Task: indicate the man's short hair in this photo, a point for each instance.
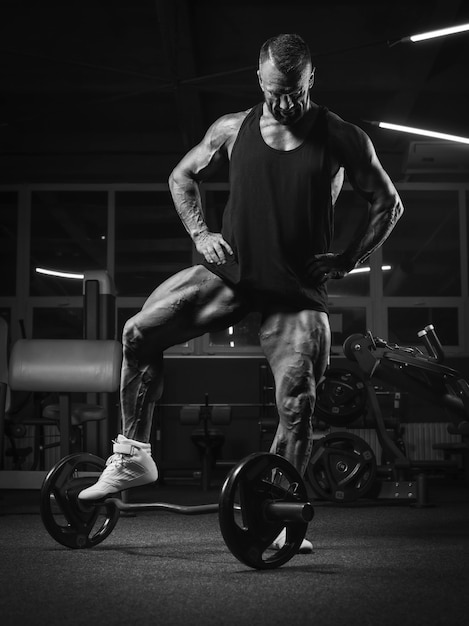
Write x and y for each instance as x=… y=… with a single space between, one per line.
x=289 y=53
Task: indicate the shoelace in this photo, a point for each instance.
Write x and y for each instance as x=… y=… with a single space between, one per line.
x=116 y=459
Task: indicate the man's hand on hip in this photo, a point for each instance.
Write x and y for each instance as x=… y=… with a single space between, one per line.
x=328 y=265
x=213 y=247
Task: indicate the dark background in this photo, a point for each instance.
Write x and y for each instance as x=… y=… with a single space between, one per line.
x=98 y=90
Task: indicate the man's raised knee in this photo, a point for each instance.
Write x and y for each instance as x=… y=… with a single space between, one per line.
x=131 y=334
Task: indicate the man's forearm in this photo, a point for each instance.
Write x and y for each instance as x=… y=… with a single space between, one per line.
x=188 y=204
x=381 y=223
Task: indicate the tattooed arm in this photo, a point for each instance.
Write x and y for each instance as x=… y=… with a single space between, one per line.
x=198 y=164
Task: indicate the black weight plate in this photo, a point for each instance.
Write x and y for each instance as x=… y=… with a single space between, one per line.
x=342 y=467
x=341 y=398
x=69 y=522
x=255 y=482
x=349 y=345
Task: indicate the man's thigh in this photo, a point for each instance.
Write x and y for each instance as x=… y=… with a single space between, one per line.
x=291 y=337
x=190 y=303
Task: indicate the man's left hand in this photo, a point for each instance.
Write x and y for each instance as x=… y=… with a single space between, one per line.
x=328 y=265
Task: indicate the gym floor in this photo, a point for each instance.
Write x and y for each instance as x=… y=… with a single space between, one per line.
x=372 y=564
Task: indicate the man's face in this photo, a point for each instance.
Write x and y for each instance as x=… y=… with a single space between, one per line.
x=287 y=98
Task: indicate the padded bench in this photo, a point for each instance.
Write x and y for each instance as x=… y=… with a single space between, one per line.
x=66 y=366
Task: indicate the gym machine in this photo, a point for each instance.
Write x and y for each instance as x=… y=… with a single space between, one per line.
x=343 y=466
x=96 y=414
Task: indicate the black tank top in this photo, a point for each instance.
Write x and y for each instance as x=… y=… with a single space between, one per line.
x=278 y=215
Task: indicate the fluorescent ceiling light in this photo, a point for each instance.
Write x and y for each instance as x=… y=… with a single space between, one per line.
x=421 y=131
x=41 y=270
x=442 y=32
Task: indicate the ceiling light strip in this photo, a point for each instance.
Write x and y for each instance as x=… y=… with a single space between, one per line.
x=441 y=32
x=421 y=131
x=59 y=274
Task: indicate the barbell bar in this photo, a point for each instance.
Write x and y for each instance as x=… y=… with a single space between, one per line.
x=274 y=511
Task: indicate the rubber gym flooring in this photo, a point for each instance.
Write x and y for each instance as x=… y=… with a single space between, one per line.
x=372 y=564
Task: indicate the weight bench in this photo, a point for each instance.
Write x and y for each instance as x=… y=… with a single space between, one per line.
x=66 y=366
x=207 y=440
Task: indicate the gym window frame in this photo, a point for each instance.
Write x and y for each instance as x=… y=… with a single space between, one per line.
x=21 y=305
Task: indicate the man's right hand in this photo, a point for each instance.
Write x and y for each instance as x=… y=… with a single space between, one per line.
x=213 y=247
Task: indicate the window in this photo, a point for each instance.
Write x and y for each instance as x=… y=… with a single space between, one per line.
x=423 y=251
x=5 y=313
x=57 y=323
x=466 y=215
x=405 y=322
x=8 y=242
x=69 y=234
x=151 y=242
x=243 y=336
x=419 y=276
x=346 y=321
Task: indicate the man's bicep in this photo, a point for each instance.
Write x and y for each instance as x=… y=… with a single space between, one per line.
x=364 y=170
x=206 y=157
x=374 y=184
x=198 y=163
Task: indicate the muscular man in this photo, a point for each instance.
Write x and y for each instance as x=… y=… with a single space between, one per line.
x=287 y=160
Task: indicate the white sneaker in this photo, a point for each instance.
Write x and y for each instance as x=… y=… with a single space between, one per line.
x=131 y=465
x=305 y=548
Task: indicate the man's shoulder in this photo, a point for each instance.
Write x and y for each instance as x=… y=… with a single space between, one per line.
x=346 y=138
x=340 y=129
x=223 y=132
x=228 y=125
